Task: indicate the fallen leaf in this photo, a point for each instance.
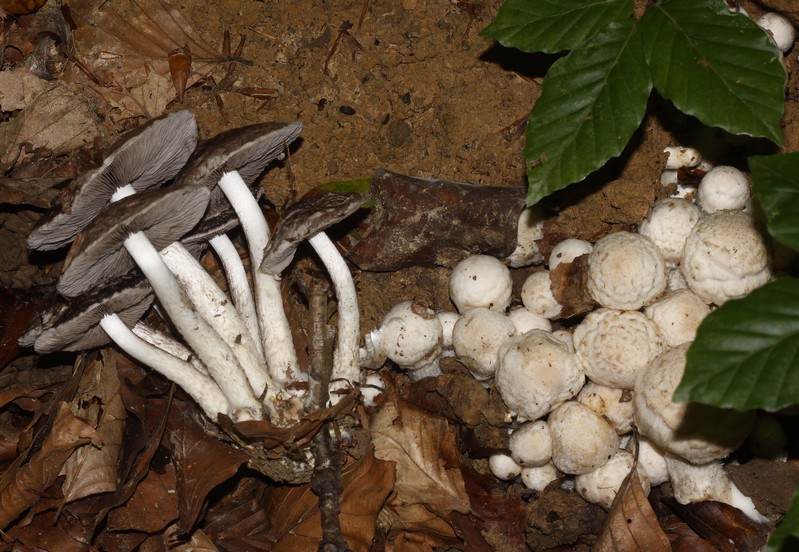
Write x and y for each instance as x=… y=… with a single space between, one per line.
x=153 y=506
x=199 y=541
x=18 y=88
x=631 y=525
x=94 y=470
x=294 y=512
x=20 y=308
x=31 y=478
x=201 y=462
x=424 y=449
x=727 y=528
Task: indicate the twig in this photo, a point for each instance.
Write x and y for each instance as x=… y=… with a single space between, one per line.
x=326 y=477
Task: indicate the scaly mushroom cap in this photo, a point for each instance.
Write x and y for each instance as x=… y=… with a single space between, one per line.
x=669 y=224
x=148 y=157
x=163 y=215
x=696 y=432
x=725 y=257
x=678 y=315
x=76 y=326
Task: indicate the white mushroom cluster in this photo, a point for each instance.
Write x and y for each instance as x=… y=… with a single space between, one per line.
x=576 y=391
x=239 y=358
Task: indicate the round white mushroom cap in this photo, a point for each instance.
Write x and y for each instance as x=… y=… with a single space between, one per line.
x=652 y=462
x=568 y=250
x=780 y=28
x=613 y=405
x=725 y=257
x=680 y=157
x=677 y=316
x=625 y=271
x=537 y=373
x=409 y=335
x=565 y=337
x=477 y=337
x=723 y=187
x=531 y=445
x=601 y=485
x=537 y=295
x=503 y=467
x=581 y=440
x=668 y=225
x=614 y=346
x=447 y=320
x=524 y=321
x=698 y=483
x=696 y=432
x=480 y=281
x=528 y=232
x=538 y=478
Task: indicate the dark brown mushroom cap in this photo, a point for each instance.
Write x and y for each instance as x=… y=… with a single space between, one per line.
x=306 y=218
x=147 y=157
x=165 y=215
x=75 y=326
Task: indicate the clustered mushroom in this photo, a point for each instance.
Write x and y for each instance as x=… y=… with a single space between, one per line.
x=239 y=358
x=577 y=391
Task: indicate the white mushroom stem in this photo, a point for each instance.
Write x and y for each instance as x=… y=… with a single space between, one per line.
x=200 y=387
x=239 y=286
x=209 y=346
x=346 y=368
x=169 y=345
x=275 y=330
x=122 y=193
x=213 y=305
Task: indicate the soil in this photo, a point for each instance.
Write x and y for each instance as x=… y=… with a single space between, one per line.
x=409 y=86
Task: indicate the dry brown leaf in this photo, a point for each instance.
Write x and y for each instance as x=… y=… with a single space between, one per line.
x=18 y=88
x=423 y=447
x=727 y=528
x=56 y=119
x=631 y=525
x=414 y=527
x=65 y=434
x=152 y=507
x=201 y=461
x=126 y=45
x=295 y=515
x=94 y=470
x=34 y=192
x=199 y=541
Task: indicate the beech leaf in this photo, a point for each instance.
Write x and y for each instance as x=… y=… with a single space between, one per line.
x=423 y=447
x=775 y=181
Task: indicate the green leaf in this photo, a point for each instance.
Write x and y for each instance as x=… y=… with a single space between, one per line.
x=716 y=65
x=591 y=103
x=552 y=26
x=788 y=531
x=746 y=353
x=775 y=180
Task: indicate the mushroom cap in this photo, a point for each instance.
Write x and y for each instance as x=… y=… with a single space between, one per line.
x=581 y=440
x=677 y=316
x=477 y=337
x=76 y=325
x=680 y=157
x=503 y=467
x=613 y=405
x=537 y=373
x=725 y=257
x=306 y=218
x=723 y=187
x=537 y=479
x=780 y=28
x=696 y=432
x=480 y=281
x=568 y=250
x=668 y=226
x=410 y=335
x=537 y=295
x=613 y=346
x=524 y=321
x=601 y=485
x=147 y=157
x=625 y=271
x=531 y=445
x=164 y=215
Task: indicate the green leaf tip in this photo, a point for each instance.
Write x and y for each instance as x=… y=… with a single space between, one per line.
x=775 y=181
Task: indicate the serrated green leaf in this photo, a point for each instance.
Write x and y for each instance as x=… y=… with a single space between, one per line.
x=553 y=26
x=746 y=353
x=775 y=180
x=591 y=103
x=788 y=530
x=715 y=65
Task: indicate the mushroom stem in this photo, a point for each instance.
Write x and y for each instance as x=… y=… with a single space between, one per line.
x=169 y=345
x=213 y=305
x=210 y=347
x=275 y=331
x=239 y=286
x=123 y=192
x=346 y=367
x=199 y=386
